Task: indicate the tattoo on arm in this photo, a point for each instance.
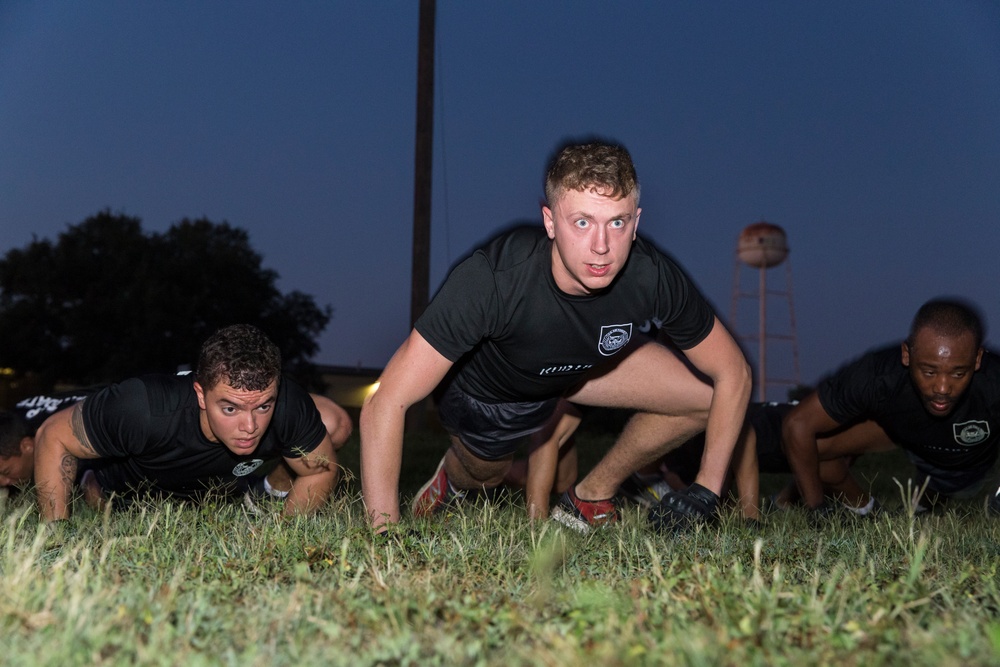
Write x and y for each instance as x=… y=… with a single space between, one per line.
x=76 y=421
x=68 y=467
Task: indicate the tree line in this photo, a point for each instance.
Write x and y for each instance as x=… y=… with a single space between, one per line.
x=106 y=300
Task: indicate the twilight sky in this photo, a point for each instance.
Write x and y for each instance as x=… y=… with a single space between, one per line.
x=870 y=131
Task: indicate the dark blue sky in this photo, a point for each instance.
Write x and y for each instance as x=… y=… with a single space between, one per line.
x=869 y=130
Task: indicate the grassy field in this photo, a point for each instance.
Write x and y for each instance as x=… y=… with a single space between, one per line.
x=209 y=585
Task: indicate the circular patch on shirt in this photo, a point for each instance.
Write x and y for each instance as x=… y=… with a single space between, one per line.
x=614 y=337
x=971 y=432
x=247 y=467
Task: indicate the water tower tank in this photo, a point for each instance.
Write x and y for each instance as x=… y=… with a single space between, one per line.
x=762 y=245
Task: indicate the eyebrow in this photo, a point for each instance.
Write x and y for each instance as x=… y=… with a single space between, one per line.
x=270 y=399
x=591 y=216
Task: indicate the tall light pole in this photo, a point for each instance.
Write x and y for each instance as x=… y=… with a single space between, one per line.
x=422 y=163
x=421 y=270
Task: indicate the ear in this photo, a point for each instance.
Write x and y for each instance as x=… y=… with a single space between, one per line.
x=635 y=227
x=979 y=359
x=27 y=445
x=906 y=356
x=550 y=225
x=200 y=392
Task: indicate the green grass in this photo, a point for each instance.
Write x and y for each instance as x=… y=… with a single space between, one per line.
x=175 y=584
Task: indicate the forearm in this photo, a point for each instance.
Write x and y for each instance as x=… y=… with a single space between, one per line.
x=725 y=422
x=310 y=492
x=803 y=458
x=55 y=471
x=747 y=474
x=542 y=464
x=381 y=458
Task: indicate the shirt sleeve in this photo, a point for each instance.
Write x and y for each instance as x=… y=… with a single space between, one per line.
x=299 y=425
x=464 y=311
x=850 y=393
x=686 y=317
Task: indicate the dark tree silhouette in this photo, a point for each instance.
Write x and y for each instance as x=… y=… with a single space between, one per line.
x=107 y=301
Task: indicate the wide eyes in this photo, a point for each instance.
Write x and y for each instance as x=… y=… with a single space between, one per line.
x=230 y=410
x=583 y=223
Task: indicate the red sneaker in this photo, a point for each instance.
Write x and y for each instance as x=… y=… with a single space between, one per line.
x=581 y=515
x=435 y=495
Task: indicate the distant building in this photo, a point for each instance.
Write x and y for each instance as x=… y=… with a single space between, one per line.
x=348 y=386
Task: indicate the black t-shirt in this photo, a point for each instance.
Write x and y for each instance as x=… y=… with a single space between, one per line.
x=877 y=386
x=517 y=337
x=148 y=432
x=38 y=408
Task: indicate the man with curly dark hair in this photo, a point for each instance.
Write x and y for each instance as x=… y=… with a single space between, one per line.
x=173 y=437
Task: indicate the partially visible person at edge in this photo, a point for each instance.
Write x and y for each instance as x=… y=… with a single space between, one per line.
x=937 y=396
x=543 y=313
x=18 y=428
x=177 y=437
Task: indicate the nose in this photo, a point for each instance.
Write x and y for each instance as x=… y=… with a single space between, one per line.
x=249 y=423
x=942 y=387
x=599 y=241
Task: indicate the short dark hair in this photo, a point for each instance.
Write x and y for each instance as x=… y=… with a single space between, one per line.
x=604 y=166
x=948 y=317
x=242 y=356
x=13 y=429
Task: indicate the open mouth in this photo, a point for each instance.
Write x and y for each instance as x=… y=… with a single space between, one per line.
x=939 y=405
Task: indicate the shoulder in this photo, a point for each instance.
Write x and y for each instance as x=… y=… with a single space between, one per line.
x=647 y=263
x=293 y=402
x=990 y=365
x=864 y=383
x=142 y=395
x=986 y=380
x=291 y=392
x=514 y=247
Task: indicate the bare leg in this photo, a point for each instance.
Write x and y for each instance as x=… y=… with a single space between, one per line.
x=93 y=494
x=673 y=406
x=467 y=471
x=643 y=441
x=280 y=478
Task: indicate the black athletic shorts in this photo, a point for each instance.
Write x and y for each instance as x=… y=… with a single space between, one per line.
x=491 y=431
x=766 y=421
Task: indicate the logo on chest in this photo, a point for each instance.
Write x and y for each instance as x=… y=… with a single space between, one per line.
x=971 y=432
x=246 y=467
x=613 y=338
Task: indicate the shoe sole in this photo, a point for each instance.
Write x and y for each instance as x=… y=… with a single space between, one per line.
x=569 y=520
x=423 y=490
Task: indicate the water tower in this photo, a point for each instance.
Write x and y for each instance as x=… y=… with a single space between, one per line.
x=763 y=246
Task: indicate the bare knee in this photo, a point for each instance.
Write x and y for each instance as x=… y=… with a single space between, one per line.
x=468 y=471
x=834 y=472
